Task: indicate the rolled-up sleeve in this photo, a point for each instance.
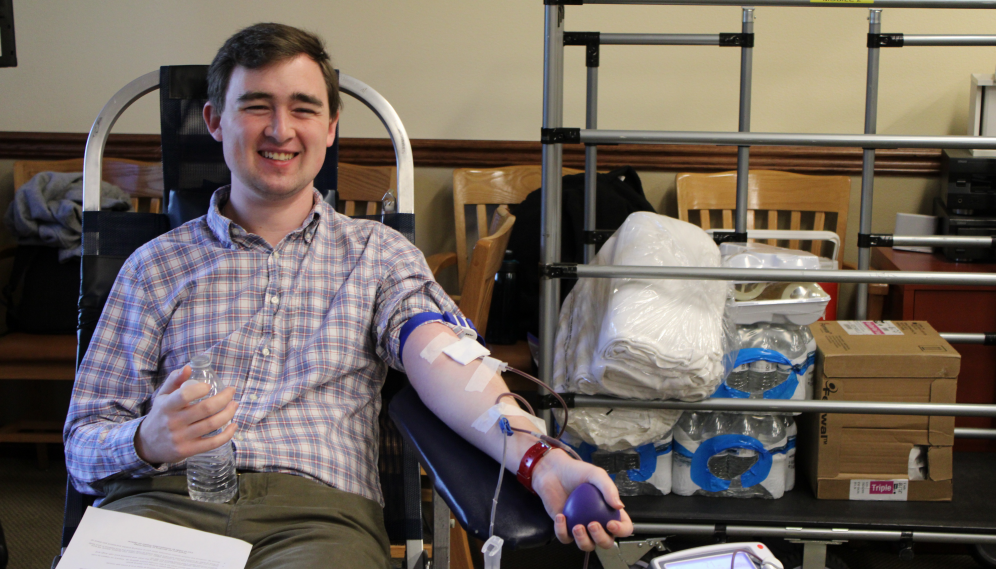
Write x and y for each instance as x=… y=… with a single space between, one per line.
x=114 y=386
x=408 y=288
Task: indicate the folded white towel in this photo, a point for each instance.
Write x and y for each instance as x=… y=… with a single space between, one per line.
x=645 y=338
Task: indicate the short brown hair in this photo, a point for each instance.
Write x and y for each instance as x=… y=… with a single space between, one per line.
x=260 y=45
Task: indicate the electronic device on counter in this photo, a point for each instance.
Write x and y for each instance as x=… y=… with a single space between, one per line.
x=975 y=225
x=743 y=555
x=968 y=182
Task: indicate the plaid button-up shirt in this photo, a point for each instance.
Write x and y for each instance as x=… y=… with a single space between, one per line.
x=304 y=331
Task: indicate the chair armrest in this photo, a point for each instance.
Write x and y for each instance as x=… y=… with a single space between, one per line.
x=440 y=261
x=465 y=477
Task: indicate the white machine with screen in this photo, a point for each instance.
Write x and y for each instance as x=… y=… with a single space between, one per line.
x=744 y=555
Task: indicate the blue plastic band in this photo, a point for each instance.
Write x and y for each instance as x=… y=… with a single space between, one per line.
x=680 y=449
x=784 y=390
x=426 y=317
x=648 y=463
x=751 y=355
x=664 y=449
x=790 y=444
x=711 y=447
x=810 y=360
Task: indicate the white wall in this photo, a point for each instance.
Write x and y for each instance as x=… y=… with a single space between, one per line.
x=473 y=70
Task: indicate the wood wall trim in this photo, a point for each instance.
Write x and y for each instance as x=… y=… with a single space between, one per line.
x=492 y=153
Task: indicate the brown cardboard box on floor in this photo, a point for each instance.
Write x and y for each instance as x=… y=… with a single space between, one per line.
x=853 y=456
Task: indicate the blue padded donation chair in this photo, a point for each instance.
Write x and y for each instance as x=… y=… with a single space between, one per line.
x=193 y=166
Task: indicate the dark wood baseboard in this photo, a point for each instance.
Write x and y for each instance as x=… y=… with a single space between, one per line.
x=493 y=153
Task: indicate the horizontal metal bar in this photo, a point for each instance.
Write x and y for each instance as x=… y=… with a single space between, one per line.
x=778 y=275
x=966 y=40
x=968 y=338
x=970 y=433
x=819 y=534
x=966 y=4
x=793 y=406
x=659 y=39
x=943 y=241
x=598 y=136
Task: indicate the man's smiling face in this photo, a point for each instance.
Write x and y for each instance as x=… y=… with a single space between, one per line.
x=275 y=127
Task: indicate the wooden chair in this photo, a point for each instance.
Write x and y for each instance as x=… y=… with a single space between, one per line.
x=362 y=189
x=482 y=188
x=782 y=200
x=822 y=200
x=53 y=357
x=475 y=302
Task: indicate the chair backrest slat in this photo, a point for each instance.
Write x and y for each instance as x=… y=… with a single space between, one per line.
x=706 y=219
x=795 y=223
x=772 y=224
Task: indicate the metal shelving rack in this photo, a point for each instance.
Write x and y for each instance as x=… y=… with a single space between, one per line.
x=554 y=135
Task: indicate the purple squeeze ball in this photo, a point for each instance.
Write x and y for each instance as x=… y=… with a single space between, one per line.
x=586 y=505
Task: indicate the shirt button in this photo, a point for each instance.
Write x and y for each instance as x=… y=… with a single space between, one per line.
x=274 y=299
x=266 y=351
x=238 y=437
x=276 y=255
x=253 y=397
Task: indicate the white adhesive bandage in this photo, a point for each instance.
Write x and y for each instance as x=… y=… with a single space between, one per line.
x=487 y=420
x=466 y=351
x=436 y=346
x=483 y=374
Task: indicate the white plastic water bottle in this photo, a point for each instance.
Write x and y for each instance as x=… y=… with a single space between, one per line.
x=792 y=431
x=210 y=475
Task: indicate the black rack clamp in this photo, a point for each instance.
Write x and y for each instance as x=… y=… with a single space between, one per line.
x=591 y=40
x=563 y=2
x=719 y=534
x=906 y=546
x=597 y=236
x=558 y=271
x=990 y=339
x=867 y=240
x=736 y=40
x=885 y=40
x=550 y=402
x=560 y=135
x=721 y=237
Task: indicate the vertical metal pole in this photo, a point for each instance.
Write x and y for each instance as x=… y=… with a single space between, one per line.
x=591 y=161
x=743 y=152
x=868 y=162
x=553 y=160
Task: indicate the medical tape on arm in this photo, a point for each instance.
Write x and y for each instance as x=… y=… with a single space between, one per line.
x=466 y=351
x=484 y=372
x=436 y=346
x=487 y=420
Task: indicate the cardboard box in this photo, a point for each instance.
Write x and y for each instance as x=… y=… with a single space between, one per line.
x=853 y=456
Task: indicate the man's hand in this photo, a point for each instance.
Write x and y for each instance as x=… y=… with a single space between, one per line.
x=555 y=476
x=173 y=429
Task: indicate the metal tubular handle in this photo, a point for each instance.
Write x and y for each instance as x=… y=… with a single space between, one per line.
x=93 y=156
x=659 y=39
x=402 y=146
x=774 y=275
x=796 y=406
x=784 y=139
x=811 y=533
x=99 y=132
x=940 y=40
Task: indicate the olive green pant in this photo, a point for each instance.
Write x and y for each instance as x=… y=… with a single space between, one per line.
x=290 y=521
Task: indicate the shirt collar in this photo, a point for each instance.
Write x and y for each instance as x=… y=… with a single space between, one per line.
x=230 y=233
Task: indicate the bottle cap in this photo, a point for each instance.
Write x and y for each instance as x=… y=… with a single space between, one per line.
x=200 y=361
